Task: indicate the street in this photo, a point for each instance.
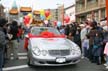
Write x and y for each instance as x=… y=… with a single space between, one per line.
x=84 y=65
x=21 y=65
x=55 y=32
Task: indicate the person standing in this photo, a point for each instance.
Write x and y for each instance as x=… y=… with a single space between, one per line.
x=91 y=34
x=2 y=41
x=82 y=36
x=84 y=31
x=14 y=42
x=97 y=48
x=86 y=46
x=66 y=30
x=106 y=54
x=77 y=38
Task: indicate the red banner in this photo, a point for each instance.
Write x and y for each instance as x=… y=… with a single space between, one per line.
x=107 y=10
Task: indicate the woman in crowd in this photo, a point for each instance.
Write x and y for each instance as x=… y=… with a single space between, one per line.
x=14 y=40
x=97 y=48
x=77 y=39
x=2 y=41
x=86 y=46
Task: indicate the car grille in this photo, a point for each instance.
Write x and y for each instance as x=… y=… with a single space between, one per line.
x=59 y=52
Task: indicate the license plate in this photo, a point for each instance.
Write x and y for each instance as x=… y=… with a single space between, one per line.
x=60 y=60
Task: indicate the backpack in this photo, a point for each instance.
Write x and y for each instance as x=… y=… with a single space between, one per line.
x=2 y=39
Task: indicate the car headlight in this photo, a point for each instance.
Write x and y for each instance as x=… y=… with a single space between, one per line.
x=44 y=52
x=75 y=50
x=36 y=51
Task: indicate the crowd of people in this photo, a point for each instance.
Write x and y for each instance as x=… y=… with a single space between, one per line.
x=91 y=36
x=9 y=39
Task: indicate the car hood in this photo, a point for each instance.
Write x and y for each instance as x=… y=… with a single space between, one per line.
x=50 y=43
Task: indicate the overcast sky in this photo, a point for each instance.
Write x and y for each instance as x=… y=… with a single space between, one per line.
x=38 y=4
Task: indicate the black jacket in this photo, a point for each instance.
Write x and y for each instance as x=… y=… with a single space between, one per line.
x=14 y=31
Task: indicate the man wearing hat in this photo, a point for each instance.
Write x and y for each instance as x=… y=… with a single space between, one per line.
x=2 y=41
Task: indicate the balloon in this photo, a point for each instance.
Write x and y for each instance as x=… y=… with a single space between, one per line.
x=26 y=20
x=42 y=12
x=48 y=17
x=55 y=23
x=30 y=15
x=42 y=17
x=67 y=19
x=46 y=21
x=59 y=23
x=47 y=13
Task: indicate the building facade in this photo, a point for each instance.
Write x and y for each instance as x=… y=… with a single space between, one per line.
x=54 y=15
x=2 y=14
x=61 y=13
x=70 y=11
x=92 y=9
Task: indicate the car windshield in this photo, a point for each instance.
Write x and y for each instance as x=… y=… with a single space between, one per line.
x=37 y=31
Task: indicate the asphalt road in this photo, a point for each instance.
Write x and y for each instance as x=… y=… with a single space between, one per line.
x=21 y=65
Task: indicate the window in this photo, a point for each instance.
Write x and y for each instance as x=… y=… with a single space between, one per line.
x=92 y=1
x=70 y=14
x=103 y=13
x=96 y=16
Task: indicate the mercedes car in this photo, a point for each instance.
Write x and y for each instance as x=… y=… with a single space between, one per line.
x=47 y=47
